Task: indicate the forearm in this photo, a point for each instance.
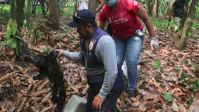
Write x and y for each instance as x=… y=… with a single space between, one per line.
x=71 y=55
x=101 y=3
x=101 y=24
x=149 y=27
x=108 y=54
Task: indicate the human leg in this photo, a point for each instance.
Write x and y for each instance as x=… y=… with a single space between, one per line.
x=120 y=50
x=133 y=49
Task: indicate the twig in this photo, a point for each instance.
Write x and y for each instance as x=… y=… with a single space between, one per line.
x=69 y=83
x=2 y=7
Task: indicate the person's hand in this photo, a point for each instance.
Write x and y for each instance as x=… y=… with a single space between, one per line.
x=97 y=102
x=60 y=52
x=154 y=43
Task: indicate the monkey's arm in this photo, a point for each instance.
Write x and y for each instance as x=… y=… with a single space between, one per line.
x=72 y=55
x=41 y=75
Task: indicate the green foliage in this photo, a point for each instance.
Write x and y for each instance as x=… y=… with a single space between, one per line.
x=68 y=28
x=167 y=97
x=196 y=67
x=190 y=100
x=46 y=50
x=157 y=65
x=125 y=78
x=11 y=31
x=183 y=76
x=178 y=67
x=193 y=85
x=186 y=62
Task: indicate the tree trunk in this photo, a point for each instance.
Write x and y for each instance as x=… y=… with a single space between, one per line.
x=176 y=37
x=20 y=16
x=92 y=5
x=157 y=7
x=54 y=14
x=28 y=15
x=148 y=7
x=187 y=24
x=23 y=49
x=12 y=5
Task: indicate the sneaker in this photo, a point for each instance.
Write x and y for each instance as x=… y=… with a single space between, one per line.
x=131 y=93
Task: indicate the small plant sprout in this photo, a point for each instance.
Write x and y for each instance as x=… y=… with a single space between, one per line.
x=157 y=65
x=177 y=68
x=190 y=100
x=167 y=97
x=46 y=50
x=186 y=62
x=11 y=32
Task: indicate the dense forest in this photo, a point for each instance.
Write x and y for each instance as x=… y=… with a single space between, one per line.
x=168 y=78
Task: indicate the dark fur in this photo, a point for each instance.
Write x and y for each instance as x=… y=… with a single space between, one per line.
x=48 y=66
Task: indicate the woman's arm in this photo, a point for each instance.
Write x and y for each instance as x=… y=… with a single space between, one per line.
x=101 y=24
x=101 y=2
x=141 y=13
x=171 y=12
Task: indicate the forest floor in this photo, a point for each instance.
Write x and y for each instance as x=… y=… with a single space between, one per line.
x=177 y=74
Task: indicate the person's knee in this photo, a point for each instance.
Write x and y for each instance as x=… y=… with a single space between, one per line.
x=131 y=65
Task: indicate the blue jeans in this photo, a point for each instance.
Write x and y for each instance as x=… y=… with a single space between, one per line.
x=132 y=47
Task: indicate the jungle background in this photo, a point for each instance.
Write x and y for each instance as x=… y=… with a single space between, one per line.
x=167 y=79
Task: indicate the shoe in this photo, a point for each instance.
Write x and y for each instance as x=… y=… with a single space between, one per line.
x=131 y=93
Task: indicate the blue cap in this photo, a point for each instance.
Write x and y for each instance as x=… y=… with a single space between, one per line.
x=81 y=17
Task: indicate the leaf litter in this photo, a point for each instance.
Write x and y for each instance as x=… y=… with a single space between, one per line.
x=19 y=92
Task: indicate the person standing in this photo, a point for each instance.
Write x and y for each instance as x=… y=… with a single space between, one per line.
x=98 y=56
x=83 y=4
x=178 y=9
x=128 y=34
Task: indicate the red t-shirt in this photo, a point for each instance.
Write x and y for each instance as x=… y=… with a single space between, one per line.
x=123 y=20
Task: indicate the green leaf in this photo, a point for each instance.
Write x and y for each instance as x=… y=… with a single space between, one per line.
x=198 y=82
x=16 y=50
x=187 y=85
x=5 y=43
x=9 y=40
x=190 y=100
x=62 y=23
x=14 y=28
x=183 y=76
x=157 y=65
x=178 y=67
x=14 y=44
x=18 y=37
x=8 y=33
x=190 y=79
x=196 y=67
x=46 y=50
x=167 y=97
x=186 y=62
x=190 y=34
x=139 y=71
x=9 y=24
x=63 y=32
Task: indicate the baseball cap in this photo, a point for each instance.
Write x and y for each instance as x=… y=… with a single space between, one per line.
x=82 y=16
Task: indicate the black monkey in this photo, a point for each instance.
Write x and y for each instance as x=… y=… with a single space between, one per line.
x=48 y=66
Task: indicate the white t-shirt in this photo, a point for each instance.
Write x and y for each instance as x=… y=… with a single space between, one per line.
x=83 y=4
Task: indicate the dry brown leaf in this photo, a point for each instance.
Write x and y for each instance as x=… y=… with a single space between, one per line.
x=47 y=97
x=174 y=106
x=22 y=104
x=38 y=93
